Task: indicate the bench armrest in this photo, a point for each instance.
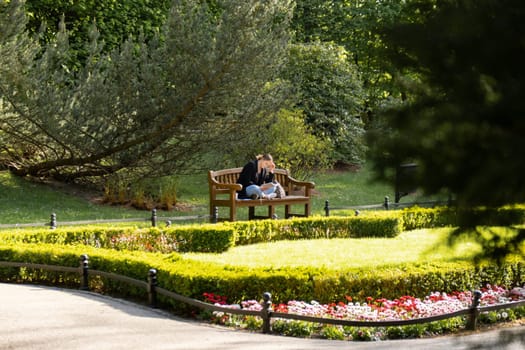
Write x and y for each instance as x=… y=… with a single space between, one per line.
x=222 y=188
x=234 y=187
x=307 y=184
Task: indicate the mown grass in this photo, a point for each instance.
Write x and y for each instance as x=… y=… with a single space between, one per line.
x=420 y=246
x=25 y=201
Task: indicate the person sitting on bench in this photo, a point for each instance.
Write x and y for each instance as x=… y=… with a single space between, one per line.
x=257 y=178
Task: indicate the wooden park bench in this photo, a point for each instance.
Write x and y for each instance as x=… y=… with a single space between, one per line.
x=223 y=193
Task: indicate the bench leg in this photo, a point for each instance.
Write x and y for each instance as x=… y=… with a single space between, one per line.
x=251 y=213
x=233 y=213
x=307 y=210
x=271 y=211
x=287 y=211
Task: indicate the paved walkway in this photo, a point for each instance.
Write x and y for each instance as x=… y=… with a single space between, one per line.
x=34 y=317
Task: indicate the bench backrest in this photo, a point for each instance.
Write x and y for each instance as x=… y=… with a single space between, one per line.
x=230 y=176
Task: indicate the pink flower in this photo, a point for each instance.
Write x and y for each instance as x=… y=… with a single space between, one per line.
x=405 y=307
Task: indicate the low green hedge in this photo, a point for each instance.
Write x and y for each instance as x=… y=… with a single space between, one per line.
x=213 y=238
x=192 y=278
x=194 y=238
x=218 y=238
x=418 y=218
x=373 y=224
x=132 y=251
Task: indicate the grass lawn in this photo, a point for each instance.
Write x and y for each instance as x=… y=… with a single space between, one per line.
x=24 y=201
x=420 y=246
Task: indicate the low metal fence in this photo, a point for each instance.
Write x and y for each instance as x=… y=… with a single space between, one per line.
x=266 y=313
x=153 y=219
x=386 y=205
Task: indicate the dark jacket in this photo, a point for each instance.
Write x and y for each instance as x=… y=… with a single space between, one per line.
x=249 y=176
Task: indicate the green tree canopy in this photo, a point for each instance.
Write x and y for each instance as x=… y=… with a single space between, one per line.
x=461 y=64
x=149 y=106
x=355 y=25
x=116 y=20
x=329 y=91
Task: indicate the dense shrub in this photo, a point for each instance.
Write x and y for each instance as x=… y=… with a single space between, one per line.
x=192 y=278
x=136 y=254
x=193 y=238
x=377 y=224
x=220 y=237
x=417 y=218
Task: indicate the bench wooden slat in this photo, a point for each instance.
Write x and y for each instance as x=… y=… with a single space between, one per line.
x=223 y=189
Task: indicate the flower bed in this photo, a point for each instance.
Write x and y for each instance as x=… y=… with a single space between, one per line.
x=403 y=308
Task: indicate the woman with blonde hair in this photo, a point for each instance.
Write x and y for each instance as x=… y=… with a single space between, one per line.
x=257 y=178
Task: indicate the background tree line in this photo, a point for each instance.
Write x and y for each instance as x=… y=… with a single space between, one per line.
x=317 y=102
x=152 y=88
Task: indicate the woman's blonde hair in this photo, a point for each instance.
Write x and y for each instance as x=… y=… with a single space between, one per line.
x=266 y=156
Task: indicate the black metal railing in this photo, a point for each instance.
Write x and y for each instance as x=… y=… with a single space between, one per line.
x=153 y=219
x=385 y=205
x=266 y=313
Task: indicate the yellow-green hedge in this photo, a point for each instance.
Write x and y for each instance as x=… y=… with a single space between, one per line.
x=372 y=224
x=193 y=278
x=194 y=238
x=220 y=237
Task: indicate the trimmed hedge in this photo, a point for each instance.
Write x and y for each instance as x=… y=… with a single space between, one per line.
x=418 y=218
x=217 y=238
x=194 y=238
x=213 y=238
x=192 y=278
x=132 y=252
x=373 y=224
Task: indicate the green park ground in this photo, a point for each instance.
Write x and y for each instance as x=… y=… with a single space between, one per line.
x=24 y=201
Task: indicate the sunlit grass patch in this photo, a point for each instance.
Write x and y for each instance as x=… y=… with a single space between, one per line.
x=418 y=246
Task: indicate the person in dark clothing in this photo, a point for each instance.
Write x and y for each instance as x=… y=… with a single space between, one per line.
x=257 y=178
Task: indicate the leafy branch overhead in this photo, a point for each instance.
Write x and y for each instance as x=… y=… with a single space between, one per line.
x=149 y=105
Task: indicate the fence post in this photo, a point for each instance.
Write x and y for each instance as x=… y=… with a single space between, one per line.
x=53 y=222
x=84 y=265
x=474 y=311
x=266 y=311
x=152 y=284
x=326 y=208
x=215 y=216
x=154 y=217
x=387 y=202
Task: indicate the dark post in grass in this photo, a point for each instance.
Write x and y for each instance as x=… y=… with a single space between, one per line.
x=474 y=311
x=266 y=311
x=154 y=217
x=84 y=265
x=53 y=222
x=326 y=208
x=387 y=203
x=152 y=284
x=215 y=216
